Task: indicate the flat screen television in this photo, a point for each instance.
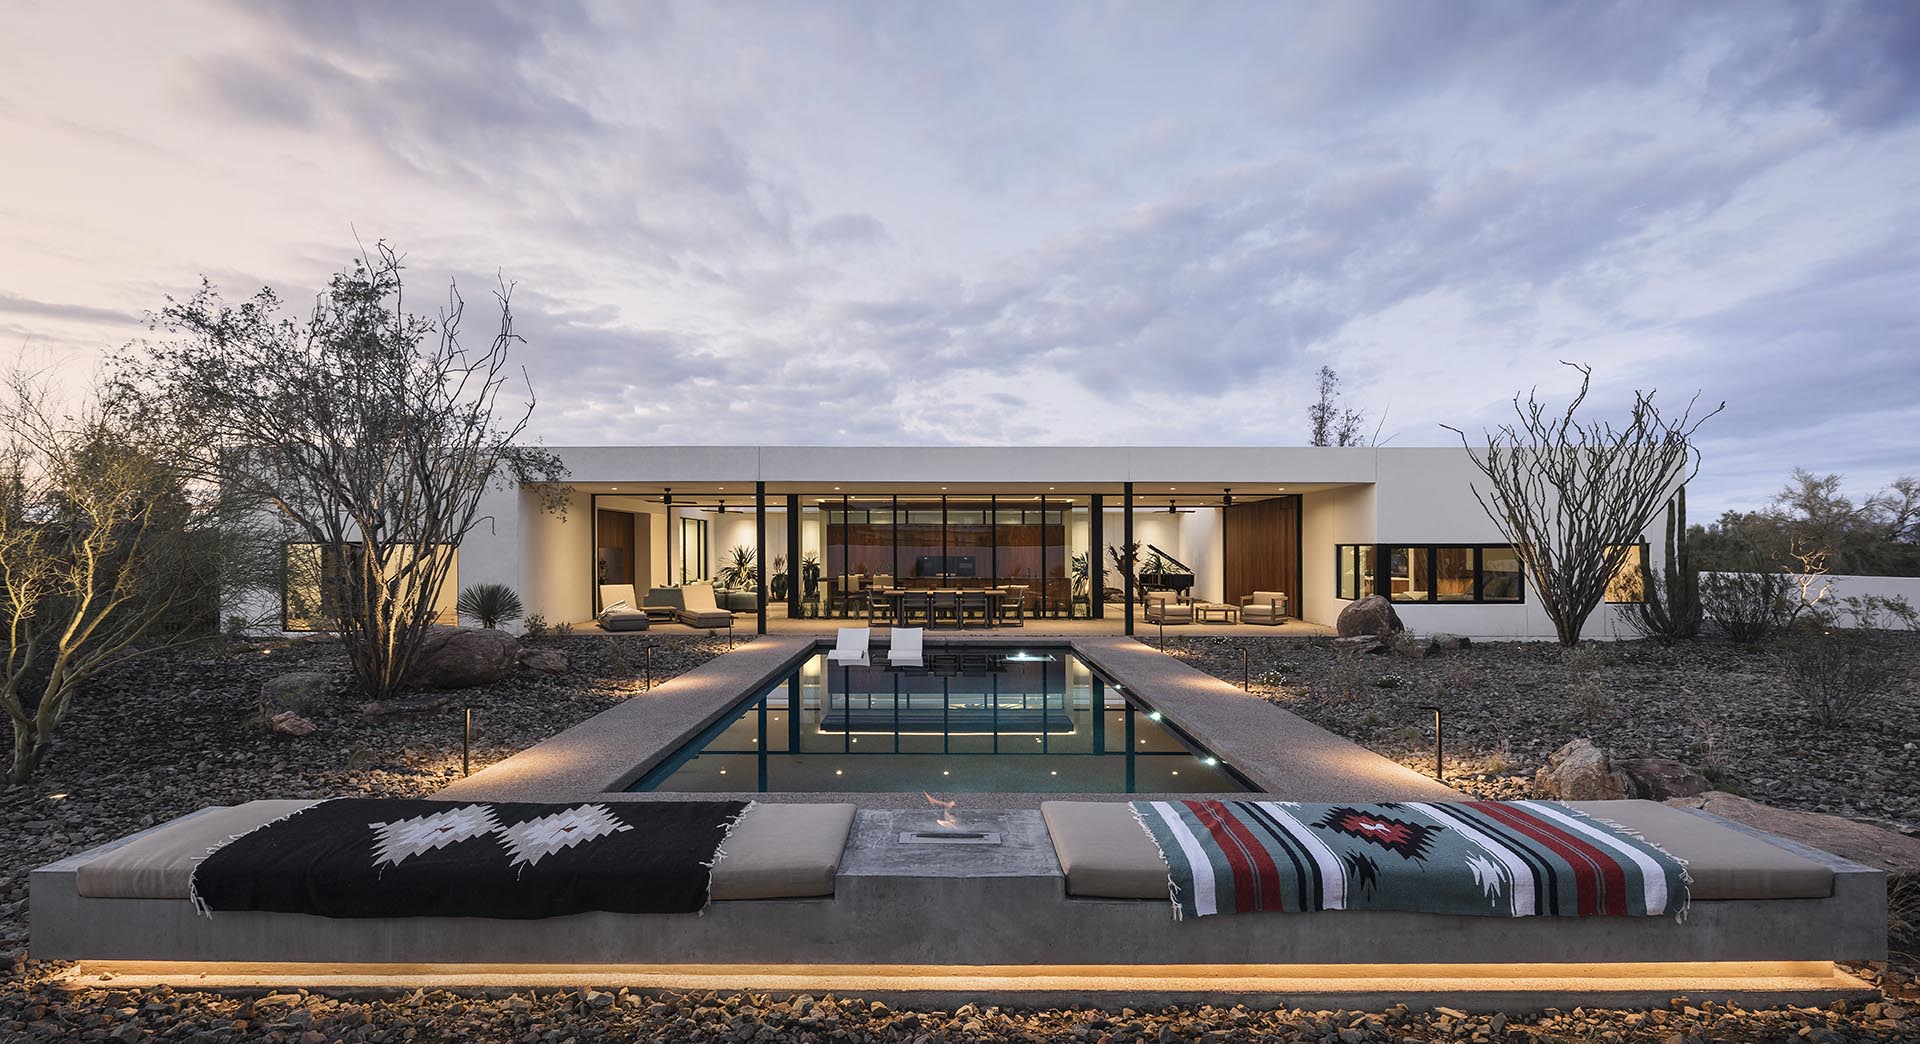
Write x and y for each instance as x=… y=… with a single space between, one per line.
x=951 y=565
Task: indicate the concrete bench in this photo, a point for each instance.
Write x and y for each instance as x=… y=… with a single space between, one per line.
x=128 y=900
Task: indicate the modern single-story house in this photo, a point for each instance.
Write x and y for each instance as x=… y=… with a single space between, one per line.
x=1323 y=526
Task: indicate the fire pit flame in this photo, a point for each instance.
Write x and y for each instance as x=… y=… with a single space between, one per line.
x=946 y=820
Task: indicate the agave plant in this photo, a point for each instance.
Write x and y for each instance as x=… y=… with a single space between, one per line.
x=490 y=604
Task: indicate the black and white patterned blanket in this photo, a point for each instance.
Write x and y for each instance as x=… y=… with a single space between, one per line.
x=385 y=857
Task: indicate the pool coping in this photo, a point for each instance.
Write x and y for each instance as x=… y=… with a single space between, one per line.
x=1279 y=752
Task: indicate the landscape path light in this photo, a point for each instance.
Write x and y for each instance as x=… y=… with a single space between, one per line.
x=1439 y=766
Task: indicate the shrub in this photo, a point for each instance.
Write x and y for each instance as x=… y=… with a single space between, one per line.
x=563 y=630
x=535 y=628
x=1748 y=607
x=1349 y=675
x=490 y=604
x=619 y=657
x=1839 y=675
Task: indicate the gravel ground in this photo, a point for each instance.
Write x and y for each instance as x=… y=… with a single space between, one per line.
x=588 y=1014
x=169 y=735
x=174 y=734
x=1725 y=709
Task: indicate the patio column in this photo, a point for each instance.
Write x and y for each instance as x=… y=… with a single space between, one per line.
x=1096 y=557
x=1126 y=547
x=760 y=553
x=793 y=558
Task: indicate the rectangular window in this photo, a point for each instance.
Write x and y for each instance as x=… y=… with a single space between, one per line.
x=1499 y=575
x=1409 y=574
x=309 y=599
x=1455 y=573
x=1627 y=584
x=1353 y=566
x=693 y=549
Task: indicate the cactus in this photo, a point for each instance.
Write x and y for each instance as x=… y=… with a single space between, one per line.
x=1670 y=605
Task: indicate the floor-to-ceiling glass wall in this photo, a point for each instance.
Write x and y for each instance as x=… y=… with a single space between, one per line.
x=1032 y=551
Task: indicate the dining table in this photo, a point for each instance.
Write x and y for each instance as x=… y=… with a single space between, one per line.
x=900 y=599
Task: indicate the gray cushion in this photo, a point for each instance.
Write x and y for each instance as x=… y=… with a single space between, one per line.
x=160 y=864
x=783 y=852
x=624 y=620
x=1724 y=862
x=1106 y=853
x=1104 y=850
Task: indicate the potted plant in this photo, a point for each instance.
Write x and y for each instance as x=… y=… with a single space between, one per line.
x=810 y=577
x=777 y=581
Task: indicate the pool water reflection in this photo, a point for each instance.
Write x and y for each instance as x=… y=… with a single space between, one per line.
x=1034 y=720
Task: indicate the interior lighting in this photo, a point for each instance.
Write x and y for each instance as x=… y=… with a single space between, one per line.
x=836 y=772
x=1153 y=715
x=1210 y=761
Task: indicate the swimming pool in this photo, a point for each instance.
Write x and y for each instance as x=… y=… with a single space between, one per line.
x=1032 y=720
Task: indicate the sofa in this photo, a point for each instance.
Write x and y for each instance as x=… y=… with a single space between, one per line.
x=737 y=599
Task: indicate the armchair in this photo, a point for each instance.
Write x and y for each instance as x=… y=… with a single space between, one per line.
x=1264 y=607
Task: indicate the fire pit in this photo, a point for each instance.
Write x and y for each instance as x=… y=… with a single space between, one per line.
x=943 y=836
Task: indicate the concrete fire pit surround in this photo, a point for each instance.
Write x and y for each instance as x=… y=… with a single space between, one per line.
x=1279 y=752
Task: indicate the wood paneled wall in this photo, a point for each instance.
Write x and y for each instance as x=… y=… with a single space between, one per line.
x=616 y=547
x=1263 y=549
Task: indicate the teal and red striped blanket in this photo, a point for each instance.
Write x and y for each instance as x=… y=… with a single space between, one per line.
x=1486 y=858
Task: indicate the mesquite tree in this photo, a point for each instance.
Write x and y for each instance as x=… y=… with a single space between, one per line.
x=1574 y=496
x=107 y=552
x=373 y=433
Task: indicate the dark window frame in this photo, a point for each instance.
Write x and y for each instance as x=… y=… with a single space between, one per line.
x=1382 y=554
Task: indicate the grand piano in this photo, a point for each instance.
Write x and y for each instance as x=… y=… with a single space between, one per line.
x=1160 y=571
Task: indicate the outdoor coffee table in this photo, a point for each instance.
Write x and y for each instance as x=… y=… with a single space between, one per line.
x=1217 y=612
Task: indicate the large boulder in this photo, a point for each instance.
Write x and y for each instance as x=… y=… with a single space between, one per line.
x=545 y=661
x=1657 y=779
x=1579 y=771
x=297 y=691
x=1876 y=846
x=462 y=657
x=1372 y=615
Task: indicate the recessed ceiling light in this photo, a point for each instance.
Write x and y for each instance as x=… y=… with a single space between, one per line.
x=836 y=772
x=1176 y=772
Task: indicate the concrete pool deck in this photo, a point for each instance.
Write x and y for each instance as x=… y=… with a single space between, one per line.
x=948 y=924
x=1277 y=751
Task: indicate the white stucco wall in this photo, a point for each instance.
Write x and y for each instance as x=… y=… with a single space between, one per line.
x=1328 y=518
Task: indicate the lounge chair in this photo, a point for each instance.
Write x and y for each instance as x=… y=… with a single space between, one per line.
x=906 y=648
x=1165 y=607
x=852 y=647
x=698 y=609
x=620 y=610
x=1264 y=607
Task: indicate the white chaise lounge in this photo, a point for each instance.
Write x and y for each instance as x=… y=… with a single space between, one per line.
x=852 y=647
x=907 y=648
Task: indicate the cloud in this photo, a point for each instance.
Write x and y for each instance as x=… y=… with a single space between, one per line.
x=1050 y=223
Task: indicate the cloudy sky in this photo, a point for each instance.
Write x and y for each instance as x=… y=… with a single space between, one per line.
x=1022 y=223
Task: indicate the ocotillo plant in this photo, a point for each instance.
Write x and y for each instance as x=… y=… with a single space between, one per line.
x=1670 y=606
